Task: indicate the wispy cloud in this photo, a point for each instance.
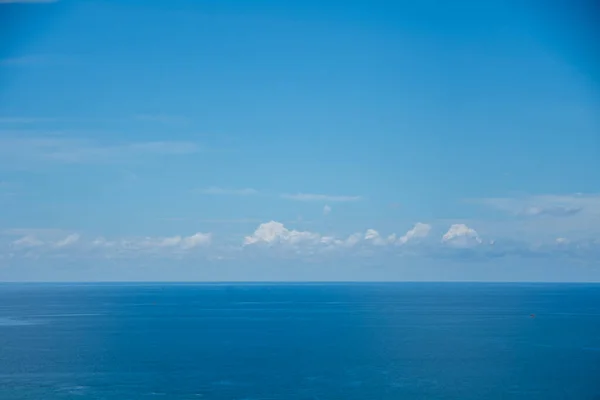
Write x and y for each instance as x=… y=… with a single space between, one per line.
x=27 y=241
x=68 y=241
x=173 y=242
x=545 y=205
x=19 y=151
x=320 y=197
x=74 y=243
x=214 y=190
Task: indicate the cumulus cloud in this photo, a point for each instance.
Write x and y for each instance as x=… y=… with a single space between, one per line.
x=326 y=210
x=419 y=231
x=352 y=240
x=373 y=237
x=459 y=241
x=197 y=239
x=461 y=235
x=320 y=197
x=275 y=232
x=68 y=241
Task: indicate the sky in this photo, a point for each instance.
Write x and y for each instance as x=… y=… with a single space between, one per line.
x=299 y=140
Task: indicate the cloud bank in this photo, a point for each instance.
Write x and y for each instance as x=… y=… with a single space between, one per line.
x=275 y=239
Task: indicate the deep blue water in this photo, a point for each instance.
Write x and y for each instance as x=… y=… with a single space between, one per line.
x=339 y=341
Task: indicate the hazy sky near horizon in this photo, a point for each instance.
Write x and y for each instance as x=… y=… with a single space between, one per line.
x=299 y=140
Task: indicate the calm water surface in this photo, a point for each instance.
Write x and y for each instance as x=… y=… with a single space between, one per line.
x=332 y=341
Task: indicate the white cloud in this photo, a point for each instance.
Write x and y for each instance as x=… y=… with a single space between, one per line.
x=169 y=241
x=461 y=235
x=353 y=239
x=459 y=241
x=213 y=190
x=101 y=242
x=196 y=240
x=75 y=244
x=28 y=241
x=175 y=242
x=545 y=205
x=326 y=210
x=372 y=236
x=320 y=197
x=552 y=211
x=543 y=217
x=68 y=241
x=419 y=231
x=275 y=232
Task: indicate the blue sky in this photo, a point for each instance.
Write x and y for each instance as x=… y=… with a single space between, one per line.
x=299 y=140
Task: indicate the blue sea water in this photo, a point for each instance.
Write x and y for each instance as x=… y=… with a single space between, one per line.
x=305 y=341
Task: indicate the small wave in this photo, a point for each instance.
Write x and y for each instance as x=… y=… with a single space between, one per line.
x=77 y=390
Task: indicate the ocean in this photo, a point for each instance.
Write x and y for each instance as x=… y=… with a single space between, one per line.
x=300 y=341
